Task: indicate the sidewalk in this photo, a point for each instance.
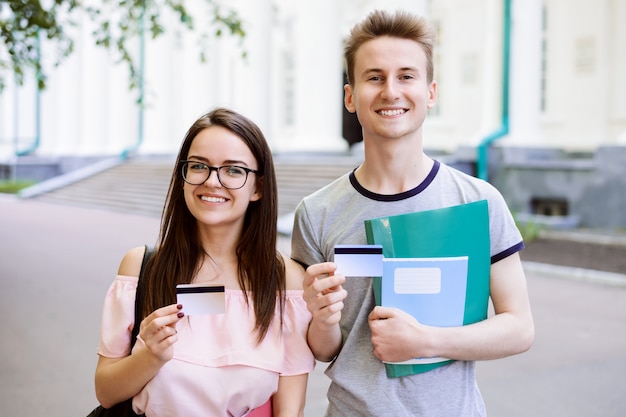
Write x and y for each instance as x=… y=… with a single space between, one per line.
x=57 y=263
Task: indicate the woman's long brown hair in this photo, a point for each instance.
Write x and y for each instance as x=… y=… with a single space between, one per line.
x=179 y=252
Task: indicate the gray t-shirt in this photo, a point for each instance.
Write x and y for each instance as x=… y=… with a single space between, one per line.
x=335 y=215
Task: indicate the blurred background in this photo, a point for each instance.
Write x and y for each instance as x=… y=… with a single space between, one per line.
x=96 y=97
x=531 y=94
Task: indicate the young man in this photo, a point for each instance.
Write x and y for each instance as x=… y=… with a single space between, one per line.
x=391 y=87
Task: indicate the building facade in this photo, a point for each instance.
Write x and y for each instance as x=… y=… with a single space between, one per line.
x=531 y=94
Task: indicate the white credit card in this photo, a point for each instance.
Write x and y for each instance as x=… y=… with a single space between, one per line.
x=201 y=299
x=359 y=260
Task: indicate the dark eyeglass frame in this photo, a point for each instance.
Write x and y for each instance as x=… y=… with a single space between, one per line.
x=184 y=163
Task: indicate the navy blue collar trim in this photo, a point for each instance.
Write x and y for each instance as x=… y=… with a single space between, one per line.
x=395 y=197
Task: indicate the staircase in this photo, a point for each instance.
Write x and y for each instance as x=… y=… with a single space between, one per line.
x=139 y=186
x=135 y=186
x=299 y=175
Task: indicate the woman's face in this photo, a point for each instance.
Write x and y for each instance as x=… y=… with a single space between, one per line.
x=211 y=203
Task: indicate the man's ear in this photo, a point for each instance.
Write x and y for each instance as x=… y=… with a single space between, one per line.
x=348 y=98
x=432 y=94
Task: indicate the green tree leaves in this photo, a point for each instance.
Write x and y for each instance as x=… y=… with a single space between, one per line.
x=118 y=23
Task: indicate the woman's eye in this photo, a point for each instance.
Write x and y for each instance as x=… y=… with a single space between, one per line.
x=234 y=171
x=197 y=167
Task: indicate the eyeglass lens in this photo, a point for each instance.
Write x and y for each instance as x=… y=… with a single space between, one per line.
x=230 y=176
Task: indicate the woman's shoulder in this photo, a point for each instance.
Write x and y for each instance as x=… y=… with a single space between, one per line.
x=131 y=262
x=294 y=273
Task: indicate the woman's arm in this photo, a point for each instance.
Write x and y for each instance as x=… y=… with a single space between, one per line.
x=294 y=274
x=118 y=379
x=290 y=398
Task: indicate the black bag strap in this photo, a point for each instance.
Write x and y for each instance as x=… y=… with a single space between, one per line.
x=139 y=297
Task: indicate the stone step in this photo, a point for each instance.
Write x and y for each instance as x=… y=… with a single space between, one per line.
x=140 y=186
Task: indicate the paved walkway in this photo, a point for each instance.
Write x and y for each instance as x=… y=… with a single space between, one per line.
x=56 y=263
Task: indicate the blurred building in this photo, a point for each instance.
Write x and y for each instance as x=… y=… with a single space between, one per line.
x=531 y=96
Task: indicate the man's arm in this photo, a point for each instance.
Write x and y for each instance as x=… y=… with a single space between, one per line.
x=397 y=336
x=324 y=297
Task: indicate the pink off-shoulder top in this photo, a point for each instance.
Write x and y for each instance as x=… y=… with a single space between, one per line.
x=218 y=369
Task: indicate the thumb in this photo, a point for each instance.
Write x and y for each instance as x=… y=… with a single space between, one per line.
x=381 y=313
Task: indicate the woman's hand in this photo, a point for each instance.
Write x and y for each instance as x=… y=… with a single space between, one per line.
x=158 y=331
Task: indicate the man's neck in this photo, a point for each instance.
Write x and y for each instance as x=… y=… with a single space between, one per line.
x=391 y=168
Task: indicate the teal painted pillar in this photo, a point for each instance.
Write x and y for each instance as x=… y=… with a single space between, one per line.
x=482 y=168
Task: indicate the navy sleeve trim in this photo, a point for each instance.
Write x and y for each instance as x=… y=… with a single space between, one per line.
x=302 y=264
x=510 y=251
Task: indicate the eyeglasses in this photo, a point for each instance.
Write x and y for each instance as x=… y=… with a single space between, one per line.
x=232 y=177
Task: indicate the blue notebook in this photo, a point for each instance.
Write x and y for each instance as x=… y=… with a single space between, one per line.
x=452 y=245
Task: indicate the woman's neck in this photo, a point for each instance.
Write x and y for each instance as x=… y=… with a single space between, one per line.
x=219 y=263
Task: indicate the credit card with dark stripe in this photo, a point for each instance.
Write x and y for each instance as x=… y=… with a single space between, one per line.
x=201 y=299
x=359 y=260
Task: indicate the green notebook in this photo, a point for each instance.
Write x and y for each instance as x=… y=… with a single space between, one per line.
x=451 y=232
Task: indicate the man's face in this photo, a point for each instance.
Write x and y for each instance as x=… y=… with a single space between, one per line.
x=390 y=93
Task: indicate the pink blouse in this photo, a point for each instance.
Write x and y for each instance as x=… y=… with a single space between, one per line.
x=217 y=369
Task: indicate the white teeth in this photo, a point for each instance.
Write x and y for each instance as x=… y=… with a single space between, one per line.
x=391 y=112
x=212 y=199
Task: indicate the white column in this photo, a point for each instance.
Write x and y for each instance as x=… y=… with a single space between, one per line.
x=18 y=115
x=61 y=113
x=491 y=97
x=86 y=108
x=318 y=77
x=7 y=119
x=179 y=86
x=617 y=97
x=250 y=79
x=525 y=87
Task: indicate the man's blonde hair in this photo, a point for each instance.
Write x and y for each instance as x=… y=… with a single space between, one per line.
x=400 y=24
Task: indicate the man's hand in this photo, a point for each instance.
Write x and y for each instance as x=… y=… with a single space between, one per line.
x=324 y=297
x=396 y=335
x=323 y=293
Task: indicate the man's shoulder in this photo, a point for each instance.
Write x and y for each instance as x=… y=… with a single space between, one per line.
x=330 y=191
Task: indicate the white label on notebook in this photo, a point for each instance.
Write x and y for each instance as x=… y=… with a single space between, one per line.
x=417 y=280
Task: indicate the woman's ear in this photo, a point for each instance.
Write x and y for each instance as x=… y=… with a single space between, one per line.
x=258 y=190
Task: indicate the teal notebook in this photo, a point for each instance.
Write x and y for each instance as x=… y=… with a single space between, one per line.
x=458 y=235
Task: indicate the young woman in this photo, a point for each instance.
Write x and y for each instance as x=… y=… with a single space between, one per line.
x=218 y=228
